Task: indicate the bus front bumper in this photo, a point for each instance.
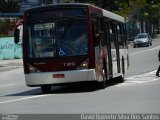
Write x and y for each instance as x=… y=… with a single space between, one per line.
x=45 y=78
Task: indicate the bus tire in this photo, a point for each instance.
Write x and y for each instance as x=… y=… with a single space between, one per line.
x=46 y=89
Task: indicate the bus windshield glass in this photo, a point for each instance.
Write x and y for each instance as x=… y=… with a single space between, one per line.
x=59 y=38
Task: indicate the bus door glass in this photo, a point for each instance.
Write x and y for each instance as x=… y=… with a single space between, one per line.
x=115 y=32
x=107 y=38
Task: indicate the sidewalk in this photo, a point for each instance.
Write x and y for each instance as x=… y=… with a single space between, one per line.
x=13 y=62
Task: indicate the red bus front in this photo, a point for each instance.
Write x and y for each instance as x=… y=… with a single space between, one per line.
x=58 y=45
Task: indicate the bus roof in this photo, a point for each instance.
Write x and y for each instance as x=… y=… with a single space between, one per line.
x=113 y=16
x=106 y=13
x=110 y=15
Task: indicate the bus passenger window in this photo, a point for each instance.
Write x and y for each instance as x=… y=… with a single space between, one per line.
x=111 y=35
x=98 y=32
x=120 y=39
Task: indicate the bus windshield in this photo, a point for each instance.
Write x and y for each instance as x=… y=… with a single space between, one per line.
x=60 y=38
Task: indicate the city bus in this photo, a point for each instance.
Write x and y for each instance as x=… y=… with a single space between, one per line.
x=72 y=43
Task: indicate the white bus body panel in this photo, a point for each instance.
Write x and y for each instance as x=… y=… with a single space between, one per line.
x=113 y=16
x=44 y=78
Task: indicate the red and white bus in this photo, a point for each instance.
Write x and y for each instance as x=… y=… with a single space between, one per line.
x=73 y=42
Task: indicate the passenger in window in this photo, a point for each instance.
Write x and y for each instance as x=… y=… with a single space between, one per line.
x=81 y=44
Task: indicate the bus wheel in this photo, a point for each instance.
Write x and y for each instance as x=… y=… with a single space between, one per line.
x=46 y=89
x=103 y=77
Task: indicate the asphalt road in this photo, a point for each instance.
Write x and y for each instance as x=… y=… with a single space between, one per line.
x=144 y=59
x=138 y=94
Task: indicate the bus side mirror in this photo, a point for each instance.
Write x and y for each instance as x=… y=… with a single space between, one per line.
x=16 y=36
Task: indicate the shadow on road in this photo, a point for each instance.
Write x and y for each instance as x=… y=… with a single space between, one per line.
x=83 y=87
x=31 y=92
x=67 y=89
x=76 y=88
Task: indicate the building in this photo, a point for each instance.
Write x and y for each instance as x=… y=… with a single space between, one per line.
x=11 y=18
x=25 y=4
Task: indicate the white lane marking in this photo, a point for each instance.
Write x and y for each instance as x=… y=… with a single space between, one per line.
x=139 y=79
x=141 y=75
x=25 y=98
x=145 y=50
x=135 y=83
x=7 y=85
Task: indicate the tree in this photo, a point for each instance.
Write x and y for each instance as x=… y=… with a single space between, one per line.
x=150 y=15
x=9 y=6
x=143 y=11
x=152 y=12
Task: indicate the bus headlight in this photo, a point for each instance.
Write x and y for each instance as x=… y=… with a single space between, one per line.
x=84 y=65
x=33 y=69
